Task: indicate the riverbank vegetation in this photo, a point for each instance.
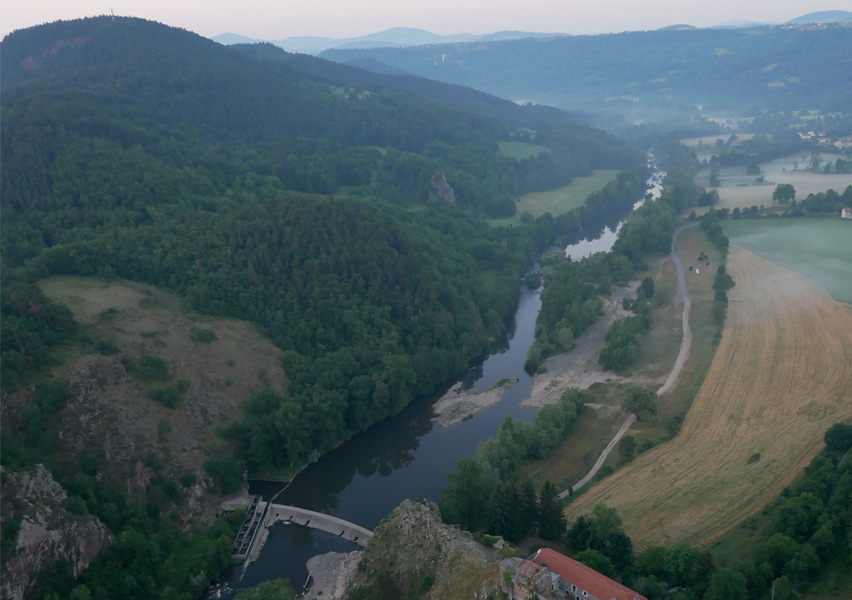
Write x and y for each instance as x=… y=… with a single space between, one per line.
x=512 y=509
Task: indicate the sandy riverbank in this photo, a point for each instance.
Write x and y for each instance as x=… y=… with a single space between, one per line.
x=579 y=368
x=457 y=404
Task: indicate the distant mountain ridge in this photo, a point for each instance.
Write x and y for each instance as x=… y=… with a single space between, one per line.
x=396 y=37
x=404 y=37
x=766 y=66
x=825 y=16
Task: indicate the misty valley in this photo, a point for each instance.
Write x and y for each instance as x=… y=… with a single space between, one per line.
x=418 y=316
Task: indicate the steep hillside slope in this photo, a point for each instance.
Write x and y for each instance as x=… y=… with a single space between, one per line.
x=341 y=219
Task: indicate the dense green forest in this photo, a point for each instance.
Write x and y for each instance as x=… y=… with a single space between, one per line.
x=771 y=67
x=145 y=152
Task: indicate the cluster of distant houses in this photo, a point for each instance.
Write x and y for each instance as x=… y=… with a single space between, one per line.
x=841 y=143
x=549 y=574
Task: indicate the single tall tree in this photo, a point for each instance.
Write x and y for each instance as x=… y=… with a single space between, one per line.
x=551 y=519
x=640 y=401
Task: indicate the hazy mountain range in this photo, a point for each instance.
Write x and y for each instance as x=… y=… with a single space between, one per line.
x=402 y=37
x=396 y=37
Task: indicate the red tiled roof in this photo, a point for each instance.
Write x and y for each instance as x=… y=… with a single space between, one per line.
x=586 y=578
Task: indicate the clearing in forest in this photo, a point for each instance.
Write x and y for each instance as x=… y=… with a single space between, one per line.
x=559 y=200
x=216 y=363
x=521 y=150
x=779 y=379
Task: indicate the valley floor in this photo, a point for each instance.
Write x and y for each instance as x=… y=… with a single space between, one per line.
x=779 y=379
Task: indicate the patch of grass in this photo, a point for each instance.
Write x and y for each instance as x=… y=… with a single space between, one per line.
x=832 y=582
x=811 y=247
x=573 y=458
x=149 y=369
x=560 y=200
x=520 y=150
x=200 y=334
x=106 y=348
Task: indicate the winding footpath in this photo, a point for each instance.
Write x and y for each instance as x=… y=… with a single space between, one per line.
x=671 y=380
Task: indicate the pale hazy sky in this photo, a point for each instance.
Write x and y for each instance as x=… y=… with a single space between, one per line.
x=269 y=19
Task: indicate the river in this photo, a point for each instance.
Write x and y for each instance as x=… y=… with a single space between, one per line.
x=406 y=455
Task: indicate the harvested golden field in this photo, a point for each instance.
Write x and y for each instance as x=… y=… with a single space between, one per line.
x=779 y=379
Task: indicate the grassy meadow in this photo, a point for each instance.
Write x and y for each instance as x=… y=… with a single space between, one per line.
x=520 y=150
x=812 y=247
x=739 y=189
x=559 y=200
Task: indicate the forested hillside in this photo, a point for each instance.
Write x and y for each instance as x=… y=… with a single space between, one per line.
x=339 y=211
x=772 y=67
x=303 y=203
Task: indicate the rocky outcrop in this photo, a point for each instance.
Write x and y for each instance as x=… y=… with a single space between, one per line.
x=331 y=574
x=439 y=182
x=412 y=546
x=48 y=532
x=524 y=580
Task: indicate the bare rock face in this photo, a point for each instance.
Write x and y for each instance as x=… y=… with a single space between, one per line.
x=48 y=532
x=439 y=182
x=331 y=574
x=412 y=544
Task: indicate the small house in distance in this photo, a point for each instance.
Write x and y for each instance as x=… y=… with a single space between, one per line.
x=573 y=580
x=846 y=213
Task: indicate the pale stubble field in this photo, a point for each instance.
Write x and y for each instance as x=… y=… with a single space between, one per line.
x=779 y=379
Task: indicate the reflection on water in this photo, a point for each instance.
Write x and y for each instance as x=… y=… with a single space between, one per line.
x=400 y=457
x=604 y=238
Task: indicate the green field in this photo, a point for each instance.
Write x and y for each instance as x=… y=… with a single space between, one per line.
x=737 y=189
x=816 y=248
x=560 y=200
x=520 y=150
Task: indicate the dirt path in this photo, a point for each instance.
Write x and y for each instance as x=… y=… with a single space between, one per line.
x=671 y=380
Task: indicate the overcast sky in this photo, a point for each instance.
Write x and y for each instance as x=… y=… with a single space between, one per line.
x=278 y=19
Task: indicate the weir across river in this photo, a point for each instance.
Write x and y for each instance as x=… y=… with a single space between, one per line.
x=261 y=515
x=308 y=518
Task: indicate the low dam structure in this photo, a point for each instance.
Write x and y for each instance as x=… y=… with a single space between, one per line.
x=308 y=518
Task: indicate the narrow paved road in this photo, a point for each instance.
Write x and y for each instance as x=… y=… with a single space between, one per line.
x=671 y=380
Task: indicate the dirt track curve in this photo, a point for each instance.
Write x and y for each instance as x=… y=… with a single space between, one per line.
x=671 y=380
